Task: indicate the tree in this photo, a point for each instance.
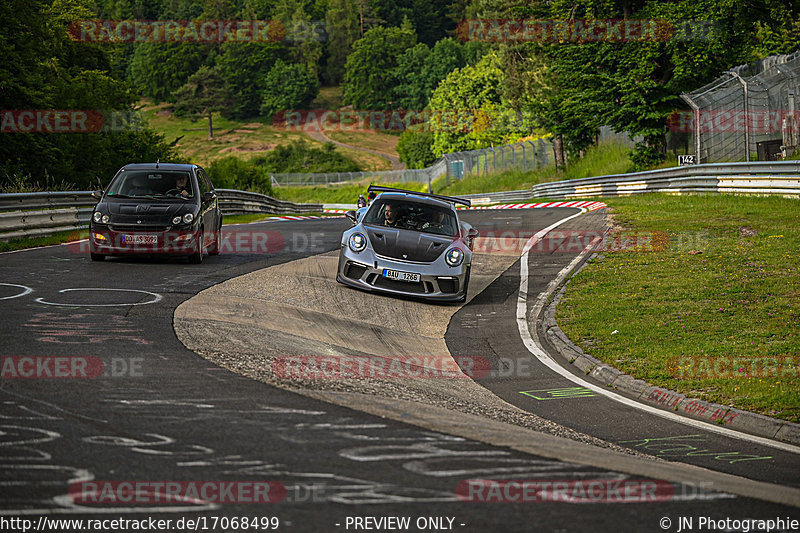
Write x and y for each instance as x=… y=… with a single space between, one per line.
x=305 y=43
x=341 y=20
x=411 y=89
x=245 y=66
x=288 y=86
x=414 y=148
x=370 y=71
x=41 y=68
x=420 y=69
x=469 y=111
x=158 y=70
x=206 y=92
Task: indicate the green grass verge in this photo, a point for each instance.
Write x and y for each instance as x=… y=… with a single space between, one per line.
x=698 y=322
x=603 y=159
x=340 y=194
x=606 y=158
x=34 y=242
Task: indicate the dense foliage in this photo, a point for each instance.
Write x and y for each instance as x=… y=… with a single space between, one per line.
x=388 y=55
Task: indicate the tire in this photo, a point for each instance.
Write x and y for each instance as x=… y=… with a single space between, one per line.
x=197 y=257
x=97 y=257
x=213 y=248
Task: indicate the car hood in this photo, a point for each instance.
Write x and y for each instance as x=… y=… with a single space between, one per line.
x=151 y=212
x=407 y=245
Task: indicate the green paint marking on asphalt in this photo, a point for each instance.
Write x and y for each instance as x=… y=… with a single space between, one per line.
x=559 y=394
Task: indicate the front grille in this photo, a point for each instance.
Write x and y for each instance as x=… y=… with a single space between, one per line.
x=138 y=227
x=354 y=271
x=404 y=286
x=448 y=285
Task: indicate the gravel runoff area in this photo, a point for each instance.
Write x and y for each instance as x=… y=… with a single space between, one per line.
x=298 y=309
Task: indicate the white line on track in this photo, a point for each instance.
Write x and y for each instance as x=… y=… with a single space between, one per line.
x=537 y=351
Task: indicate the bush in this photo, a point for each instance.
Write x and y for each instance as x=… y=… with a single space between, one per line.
x=288 y=86
x=300 y=157
x=415 y=148
x=234 y=173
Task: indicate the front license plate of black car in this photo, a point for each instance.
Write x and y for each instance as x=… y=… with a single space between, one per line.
x=140 y=239
x=401 y=276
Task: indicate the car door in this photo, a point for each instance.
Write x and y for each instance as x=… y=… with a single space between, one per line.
x=208 y=207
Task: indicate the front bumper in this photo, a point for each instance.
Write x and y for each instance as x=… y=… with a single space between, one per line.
x=438 y=281
x=106 y=241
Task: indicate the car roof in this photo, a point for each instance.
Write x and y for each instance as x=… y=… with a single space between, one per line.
x=401 y=196
x=159 y=166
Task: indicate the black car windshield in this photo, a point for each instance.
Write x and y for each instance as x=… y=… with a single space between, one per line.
x=151 y=184
x=414 y=216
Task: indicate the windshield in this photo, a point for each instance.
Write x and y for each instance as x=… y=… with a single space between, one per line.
x=413 y=216
x=151 y=184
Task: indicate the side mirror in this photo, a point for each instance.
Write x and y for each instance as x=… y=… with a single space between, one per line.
x=97 y=195
x=209 y=196
x=352 y=216
x=472 y=234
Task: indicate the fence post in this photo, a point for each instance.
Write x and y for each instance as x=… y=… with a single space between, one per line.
x=747 y=117
x=533 y=149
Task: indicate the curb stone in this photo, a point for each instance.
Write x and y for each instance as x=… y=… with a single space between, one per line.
x=643 y=392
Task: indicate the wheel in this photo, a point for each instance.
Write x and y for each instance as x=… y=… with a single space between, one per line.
x=213 y=248
x=197 y=257
x=97 y=257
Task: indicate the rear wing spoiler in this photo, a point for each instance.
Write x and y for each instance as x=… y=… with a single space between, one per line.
x=451 y=199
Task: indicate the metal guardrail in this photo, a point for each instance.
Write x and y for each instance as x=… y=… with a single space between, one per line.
x=766 y=178
x=233 y=202
x=45 y=213
x=782 y=178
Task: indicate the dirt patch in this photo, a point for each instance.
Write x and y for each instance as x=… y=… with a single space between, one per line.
x=747 y=232
x=252 y=148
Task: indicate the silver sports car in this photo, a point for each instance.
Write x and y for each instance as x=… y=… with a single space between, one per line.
x=408 y=243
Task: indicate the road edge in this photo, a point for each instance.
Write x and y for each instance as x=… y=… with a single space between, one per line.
x=643 y=392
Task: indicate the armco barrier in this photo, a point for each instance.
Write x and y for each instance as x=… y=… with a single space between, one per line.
x=780 y=178
x=44 y=213
x=765 y=178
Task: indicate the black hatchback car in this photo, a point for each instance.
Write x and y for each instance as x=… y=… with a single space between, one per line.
x=156 y=208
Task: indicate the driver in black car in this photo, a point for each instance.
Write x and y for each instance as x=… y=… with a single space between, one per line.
x=182 y=185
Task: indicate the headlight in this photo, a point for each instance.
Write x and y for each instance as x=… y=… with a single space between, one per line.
x=454 y=257
x=177 y=219
x=187 y=218
x=97 y=215
x=357 y=242
x=105 y=219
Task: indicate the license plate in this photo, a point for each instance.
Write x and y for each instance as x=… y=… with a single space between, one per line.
x=140 y=239
x=400 y=276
